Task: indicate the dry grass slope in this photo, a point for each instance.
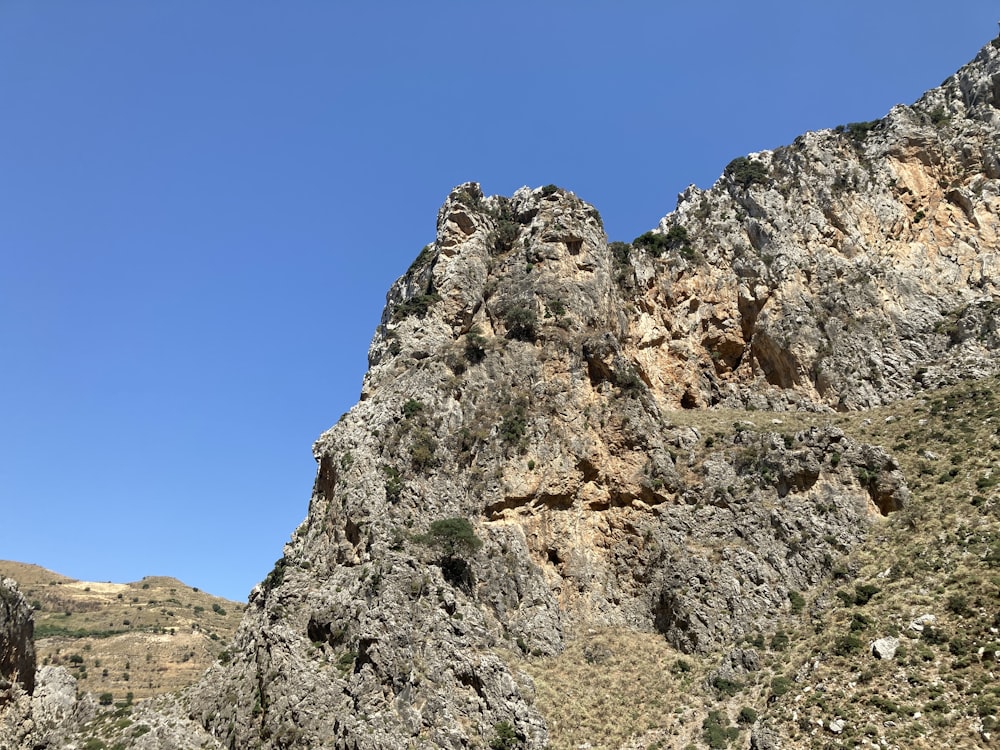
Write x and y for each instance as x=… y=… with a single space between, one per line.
x=144 y=638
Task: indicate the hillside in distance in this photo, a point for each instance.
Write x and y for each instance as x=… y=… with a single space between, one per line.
x=144 y=638
x=732 y=484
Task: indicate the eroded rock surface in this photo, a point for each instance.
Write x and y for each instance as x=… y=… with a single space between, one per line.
x=17 y=645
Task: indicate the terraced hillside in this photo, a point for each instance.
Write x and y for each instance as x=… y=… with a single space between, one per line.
x=153 y=636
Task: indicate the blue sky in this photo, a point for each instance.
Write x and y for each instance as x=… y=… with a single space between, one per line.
x=202 y=205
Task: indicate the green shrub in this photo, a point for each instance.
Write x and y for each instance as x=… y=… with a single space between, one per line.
x=779 y=641
x=959 y=604
x=726 y=686
x=412 y=408
x=857 y=131
x=629 y=382
x=106 y=699
x=934 y=636
x=505 y=737
x=780 y=686
x=859 y=622
x=652 y=242
x=746 y=172
x=475 y=346
x=657 y=243
x=423 y=449
x=797 y=601
x=717 y=732
x=845 y=596
x=393 y=483
x=452 y=537
x=521 y=321
x=555 y=308
x=681 y=666
x=504 y=236
x=418 y=306
x=864 y=593
x=621 y=252
x=846 y=645
x=939 y=116
x=747 y=716
x=514 y=424
x=277 y=575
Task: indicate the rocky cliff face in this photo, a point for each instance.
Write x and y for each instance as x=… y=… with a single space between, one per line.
x=17 y=646
x=528 y=385
x=17 y=665
x=846 y=270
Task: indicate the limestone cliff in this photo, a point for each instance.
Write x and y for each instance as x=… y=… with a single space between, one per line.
x=849 y=269
x=531 y=381
x=501 y=390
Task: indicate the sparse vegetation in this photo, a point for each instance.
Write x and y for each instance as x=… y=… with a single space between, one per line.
x=110 y=627
x=521 y=321
x=858 y=131
x=744 y=171
x=415 y=306
x=674 y=240
x=475 y=346
x=505 y=737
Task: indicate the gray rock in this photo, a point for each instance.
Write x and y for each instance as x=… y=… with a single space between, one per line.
x=17 y=645
x=885 y=648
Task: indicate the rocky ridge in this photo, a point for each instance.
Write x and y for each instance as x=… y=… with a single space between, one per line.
x=529 y=378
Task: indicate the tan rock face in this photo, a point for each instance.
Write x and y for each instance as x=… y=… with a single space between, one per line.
x=837 y=273
x=507 y=386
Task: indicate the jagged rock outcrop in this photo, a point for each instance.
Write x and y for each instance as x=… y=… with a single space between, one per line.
x=39 y=708
x=501 y=390
x=17 y=666
x=848 y=269
x=17 y=645
x=528 y=383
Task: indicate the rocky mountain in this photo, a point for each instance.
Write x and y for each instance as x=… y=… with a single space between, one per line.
x=652 y=473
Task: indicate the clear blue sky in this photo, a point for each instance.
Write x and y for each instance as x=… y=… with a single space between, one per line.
x=202 y=205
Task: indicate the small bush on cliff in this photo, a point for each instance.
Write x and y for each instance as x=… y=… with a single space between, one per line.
x=277 y=575
x=515 y=422
x=858 y=131
x=505 y=737
x=521 y=321
x=504 y=236
x=453 y=539
x=475 y=346
x=422 y=451
x=412 y=408
x=675 y=240
x=717 y=732
x=418 y=305
x=620 y=251
x=393 y=483
x=746 y=172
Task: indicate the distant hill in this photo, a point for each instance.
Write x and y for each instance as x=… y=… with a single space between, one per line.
x=148 y=637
